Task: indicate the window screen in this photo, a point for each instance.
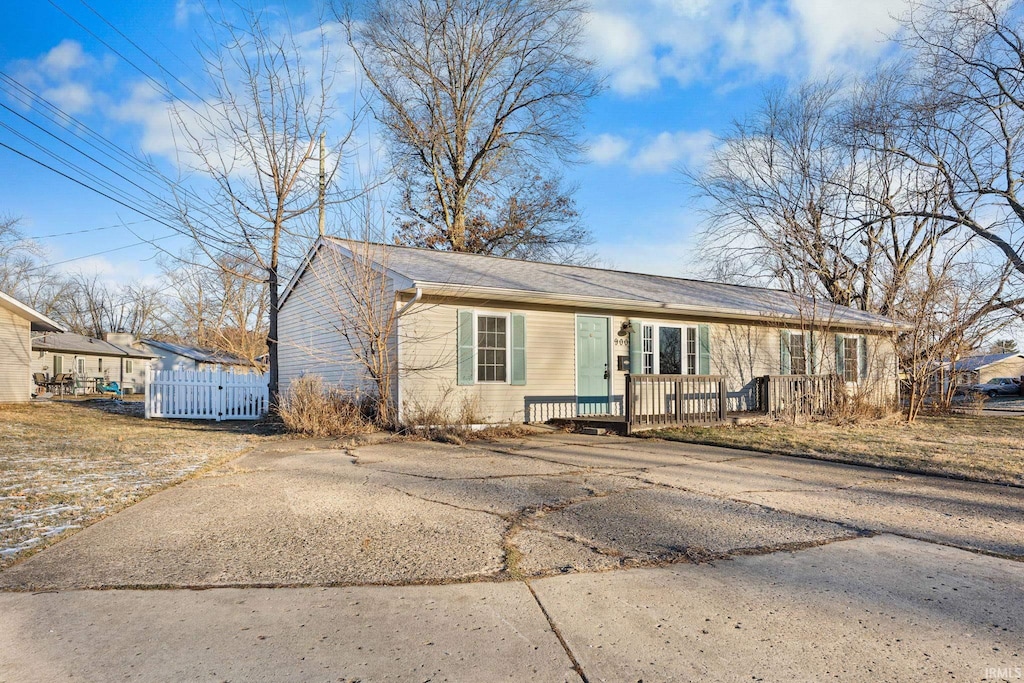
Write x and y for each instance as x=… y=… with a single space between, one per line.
x=492 y=348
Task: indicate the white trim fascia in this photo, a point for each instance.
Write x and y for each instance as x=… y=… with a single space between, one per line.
x=30 y=314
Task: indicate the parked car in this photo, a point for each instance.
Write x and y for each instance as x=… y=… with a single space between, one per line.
x=997 y=386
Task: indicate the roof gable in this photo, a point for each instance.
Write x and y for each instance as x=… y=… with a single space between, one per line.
x=197 y=353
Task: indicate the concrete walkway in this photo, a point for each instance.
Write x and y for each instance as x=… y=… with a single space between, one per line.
x=730 y=565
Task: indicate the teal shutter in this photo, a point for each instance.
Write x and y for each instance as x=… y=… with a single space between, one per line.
x=467 y=365
x=704 y=350
x=518 y=349
x=862 y=350
x=636 y=347
x=812 y=355
x=785 y=356
x=840 y=355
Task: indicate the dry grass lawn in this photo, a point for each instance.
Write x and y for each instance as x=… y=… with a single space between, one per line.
x=66 y=465
x=977 y=447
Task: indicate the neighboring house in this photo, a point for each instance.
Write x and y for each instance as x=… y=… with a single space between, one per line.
x=17 y=323
x=520 y=341
x=170 y=356
x=92 y=361
x=980 y=369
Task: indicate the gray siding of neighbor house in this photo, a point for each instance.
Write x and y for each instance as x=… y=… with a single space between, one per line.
x=15 y=355
x=739 y=351
x=313 y=317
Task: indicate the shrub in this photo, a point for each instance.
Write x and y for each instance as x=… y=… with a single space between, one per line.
x=309 y=407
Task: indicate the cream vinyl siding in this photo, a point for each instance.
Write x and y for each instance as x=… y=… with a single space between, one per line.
x=428 y=357
x=310 y=339
x=15 y=355
x=740 y=352
x=1011 y=367
x=42 y=361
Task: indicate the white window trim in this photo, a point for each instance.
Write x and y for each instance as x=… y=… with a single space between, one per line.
x=129 y=366
x=507 y=315
x=685 y=366
x=856 y=359
x=809 y=360
x=80 y=366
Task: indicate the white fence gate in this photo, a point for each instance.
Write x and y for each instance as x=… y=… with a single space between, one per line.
x=206 y=395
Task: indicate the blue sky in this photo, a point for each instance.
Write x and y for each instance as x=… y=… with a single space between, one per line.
x=678 y=72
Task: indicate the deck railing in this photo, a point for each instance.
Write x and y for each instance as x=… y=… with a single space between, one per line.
x=792 y=395
x=657 y=401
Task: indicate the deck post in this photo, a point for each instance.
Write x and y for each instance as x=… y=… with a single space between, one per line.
x=722 y=400
x=629 y=403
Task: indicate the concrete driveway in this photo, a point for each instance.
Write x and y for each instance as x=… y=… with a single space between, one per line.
x=558 y=557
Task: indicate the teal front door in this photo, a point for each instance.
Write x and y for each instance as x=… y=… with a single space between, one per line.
x=592 y=371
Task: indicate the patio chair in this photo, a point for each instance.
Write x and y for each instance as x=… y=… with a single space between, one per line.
x=39 y=379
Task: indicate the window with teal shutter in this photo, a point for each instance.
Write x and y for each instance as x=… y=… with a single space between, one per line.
x=863 y=357
x=466 y=364
x=785 y=355
x=518 y=349
x=704 y=335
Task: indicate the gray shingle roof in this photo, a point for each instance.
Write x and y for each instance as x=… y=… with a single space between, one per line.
x=197 y=353
x=478 y=271
x=972 y=363
x=69 y=342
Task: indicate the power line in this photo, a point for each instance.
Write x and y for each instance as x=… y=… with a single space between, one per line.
x=83 y=231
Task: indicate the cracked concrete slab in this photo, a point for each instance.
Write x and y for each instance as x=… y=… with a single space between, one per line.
x=873 y=609
x=721 y=479
x=967 y=515
x=661 y=524
x=507 y=496
x=541 y=552
x=477 y=465
x=485 y=632
x=308 y=518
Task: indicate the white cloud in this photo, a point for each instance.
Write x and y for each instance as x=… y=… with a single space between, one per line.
x=607 y=149
x=670 y=150
x=73 y=98
x=643 y=44
x=66 y=57
x=183 y=11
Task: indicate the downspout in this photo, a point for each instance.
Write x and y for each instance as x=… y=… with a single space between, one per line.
x=408 y=304
x=398 y=351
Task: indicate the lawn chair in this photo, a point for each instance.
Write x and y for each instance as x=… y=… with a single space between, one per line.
x=39 y=379
x=63 y=382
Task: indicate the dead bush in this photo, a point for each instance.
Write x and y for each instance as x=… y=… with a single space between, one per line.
x=447 y=419
x=310 y=407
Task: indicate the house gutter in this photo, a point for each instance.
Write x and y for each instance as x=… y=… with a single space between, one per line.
x=408 y=304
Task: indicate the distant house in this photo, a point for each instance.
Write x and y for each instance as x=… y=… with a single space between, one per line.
x=522 y=341
x=170 y=356
x=17 y=323
x=980 y=369
x=91 y=361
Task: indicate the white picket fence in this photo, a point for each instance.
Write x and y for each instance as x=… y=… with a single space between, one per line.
x=206 y=395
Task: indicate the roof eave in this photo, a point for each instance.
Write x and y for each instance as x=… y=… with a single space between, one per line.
x=502 y=294
x=40 y=322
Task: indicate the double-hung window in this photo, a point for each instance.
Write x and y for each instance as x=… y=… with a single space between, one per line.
x=851 y=359
x=669 y=350
x=492 y=348
x=81 y=366
x=797 y=353
x=129 y=367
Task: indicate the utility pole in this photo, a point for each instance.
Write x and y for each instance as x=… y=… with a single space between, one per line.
x=323 y=183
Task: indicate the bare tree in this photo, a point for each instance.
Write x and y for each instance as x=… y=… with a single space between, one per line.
x=215 y=307
x=257 y=139
x=963 y=114
x=478 y=99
